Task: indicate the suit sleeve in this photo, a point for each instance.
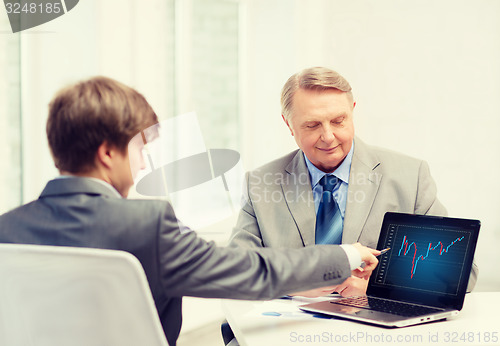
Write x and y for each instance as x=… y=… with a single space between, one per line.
x=190 y=266
x=427 y=203
x=246 y=233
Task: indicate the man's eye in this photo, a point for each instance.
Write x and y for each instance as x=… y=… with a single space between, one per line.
x=312 y=126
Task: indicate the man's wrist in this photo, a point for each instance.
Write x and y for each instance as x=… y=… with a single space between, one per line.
x=353 y=255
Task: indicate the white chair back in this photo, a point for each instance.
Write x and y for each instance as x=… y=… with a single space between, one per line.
x=62 y=296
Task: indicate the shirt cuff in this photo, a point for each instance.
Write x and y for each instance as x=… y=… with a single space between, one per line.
x=353 y=255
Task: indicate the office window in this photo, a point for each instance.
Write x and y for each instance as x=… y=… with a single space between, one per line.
x=194 y=67
x=207 y=82
x=210 y=56
x=10 y=119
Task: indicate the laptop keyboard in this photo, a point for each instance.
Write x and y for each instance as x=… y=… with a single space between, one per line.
x=388 y=306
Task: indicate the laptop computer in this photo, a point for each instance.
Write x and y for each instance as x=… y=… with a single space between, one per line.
x=422 y=278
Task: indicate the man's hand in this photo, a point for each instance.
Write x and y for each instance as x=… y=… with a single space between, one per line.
x=317 y=292
x=369 y=259
x=353 y=286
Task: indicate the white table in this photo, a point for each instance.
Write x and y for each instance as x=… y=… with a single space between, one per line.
x=256 y=323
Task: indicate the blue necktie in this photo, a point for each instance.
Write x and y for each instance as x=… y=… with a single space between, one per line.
x=329 y=222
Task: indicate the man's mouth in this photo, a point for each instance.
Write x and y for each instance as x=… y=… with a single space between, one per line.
x=328 y=150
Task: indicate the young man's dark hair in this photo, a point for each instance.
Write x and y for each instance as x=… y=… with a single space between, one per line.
x=84 y=115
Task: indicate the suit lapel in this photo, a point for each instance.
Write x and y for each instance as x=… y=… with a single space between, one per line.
x=299 y=197
x=364 y=182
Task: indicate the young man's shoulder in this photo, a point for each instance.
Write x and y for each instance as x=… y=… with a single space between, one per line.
x=136 y=208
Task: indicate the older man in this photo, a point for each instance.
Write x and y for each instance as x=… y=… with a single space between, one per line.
x=285 y=206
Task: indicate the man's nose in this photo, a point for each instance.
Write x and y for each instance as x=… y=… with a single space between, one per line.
x=327 y=134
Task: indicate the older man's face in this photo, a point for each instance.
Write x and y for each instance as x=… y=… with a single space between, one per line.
x=321 y=123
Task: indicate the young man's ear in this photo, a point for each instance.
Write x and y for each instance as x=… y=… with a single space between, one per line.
x=104 y=155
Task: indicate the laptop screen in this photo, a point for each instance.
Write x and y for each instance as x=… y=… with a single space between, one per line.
x=429 y=260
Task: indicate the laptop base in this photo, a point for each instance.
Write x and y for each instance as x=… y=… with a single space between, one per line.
x=373 y=317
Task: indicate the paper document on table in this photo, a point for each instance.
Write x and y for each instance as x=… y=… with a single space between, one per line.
x=285 y=308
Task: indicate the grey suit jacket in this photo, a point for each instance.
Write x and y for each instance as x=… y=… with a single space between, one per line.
x=84 y=213
x=278 y=208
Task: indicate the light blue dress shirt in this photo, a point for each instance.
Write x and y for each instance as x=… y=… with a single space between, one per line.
x=340 y=190
x=339 y=193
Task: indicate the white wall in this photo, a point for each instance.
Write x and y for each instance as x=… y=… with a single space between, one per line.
x=426 y=79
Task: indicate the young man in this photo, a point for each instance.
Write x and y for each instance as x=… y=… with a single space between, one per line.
x=95 y=131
